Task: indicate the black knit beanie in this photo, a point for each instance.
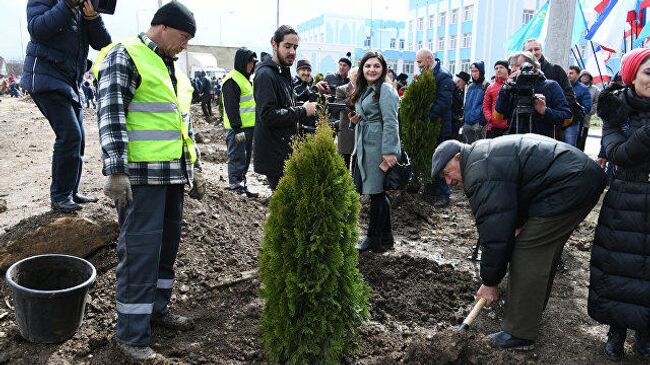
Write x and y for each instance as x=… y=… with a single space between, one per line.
x=175 y=15
x=502 y=63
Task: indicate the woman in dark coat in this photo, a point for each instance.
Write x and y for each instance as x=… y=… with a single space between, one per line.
x=376 y=145
x=619 y=293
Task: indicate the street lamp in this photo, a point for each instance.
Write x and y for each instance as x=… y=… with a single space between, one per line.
x=220 y=22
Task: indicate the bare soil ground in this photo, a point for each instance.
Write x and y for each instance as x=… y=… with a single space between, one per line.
x=421 y=291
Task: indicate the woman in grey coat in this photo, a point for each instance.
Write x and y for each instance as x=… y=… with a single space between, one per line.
x=376 y=145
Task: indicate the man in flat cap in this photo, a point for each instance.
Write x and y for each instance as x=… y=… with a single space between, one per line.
x=527 y=193
x=148 y=153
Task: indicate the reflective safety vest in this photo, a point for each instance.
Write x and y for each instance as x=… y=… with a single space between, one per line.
x=246 y=101
x=157 y=119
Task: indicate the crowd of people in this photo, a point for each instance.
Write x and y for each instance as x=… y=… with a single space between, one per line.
x=10 y=85
x=512 y=142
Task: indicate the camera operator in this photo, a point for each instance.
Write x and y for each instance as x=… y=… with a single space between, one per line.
x=331 y=82
x=55 y=64
x=556 y=73
x=276 y=114
x=529 y=101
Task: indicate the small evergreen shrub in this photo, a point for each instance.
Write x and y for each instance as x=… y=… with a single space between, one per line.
x=418 y=133
x=315 y=297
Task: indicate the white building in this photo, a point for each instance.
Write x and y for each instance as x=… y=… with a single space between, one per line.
x=460 y=32
x=327 y=38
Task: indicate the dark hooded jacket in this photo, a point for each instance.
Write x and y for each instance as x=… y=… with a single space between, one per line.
x=276 y=117
x=231 y=90
x=512 y=178
x=619 y=288
x=557 y=109
x=442 y=106
x=474 y=97
x=57 y=52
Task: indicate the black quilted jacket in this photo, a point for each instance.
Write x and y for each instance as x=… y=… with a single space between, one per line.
x=511 y=178
x=619 y=291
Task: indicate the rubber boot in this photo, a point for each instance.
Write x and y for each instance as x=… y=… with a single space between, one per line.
x=372 y=241
x=614 y=348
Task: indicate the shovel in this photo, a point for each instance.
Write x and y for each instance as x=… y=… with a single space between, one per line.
x=472 y=315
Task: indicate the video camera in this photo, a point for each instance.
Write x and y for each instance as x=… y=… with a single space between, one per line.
x=524 y=88
x=104 y=6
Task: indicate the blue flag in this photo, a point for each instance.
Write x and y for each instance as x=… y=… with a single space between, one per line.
x=532 y=29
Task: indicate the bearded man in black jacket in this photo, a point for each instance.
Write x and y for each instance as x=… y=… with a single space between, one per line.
x=528 y=193
x=276 y=114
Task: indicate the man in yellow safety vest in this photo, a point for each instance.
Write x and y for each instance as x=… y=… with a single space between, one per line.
x=149 y=155
x=239 y=119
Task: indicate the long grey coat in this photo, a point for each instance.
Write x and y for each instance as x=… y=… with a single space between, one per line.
x=376 y=134
x=346 y=134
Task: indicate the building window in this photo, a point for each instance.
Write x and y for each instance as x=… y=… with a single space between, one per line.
x=408 y=67
x=467 y=14
x=411 y=26
x=367 y=42
x=528 y=15
x=430 y=44
x=454 y=17
x=432 y=20
x=392 y=65
x=465 y=65
x=452 y=67
x=466 y=41
x=322 y=37
x=420 y=23
x=401 y=44
x=393 y=43
x=441 y=43
x=452 y=41
x=419 y=46
x=442 y=19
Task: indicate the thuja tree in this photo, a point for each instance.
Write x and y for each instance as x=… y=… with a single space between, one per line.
x=315 y=297
x=419 y=134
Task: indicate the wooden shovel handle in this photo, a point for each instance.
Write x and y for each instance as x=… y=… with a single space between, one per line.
x=475 y=311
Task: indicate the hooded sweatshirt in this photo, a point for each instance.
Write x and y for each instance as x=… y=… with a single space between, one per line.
x=231 y=90
x=474 y=98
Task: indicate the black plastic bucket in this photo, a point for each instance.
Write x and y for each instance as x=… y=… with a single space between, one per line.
x=49 y=294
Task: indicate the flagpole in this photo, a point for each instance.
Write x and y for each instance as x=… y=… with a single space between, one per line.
x=584 y=65
x=593 y=49
x=575 y=56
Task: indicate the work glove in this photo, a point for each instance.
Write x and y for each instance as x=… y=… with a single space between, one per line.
x=240 y=137
x=73 y=4
x=118 y=188
x=198 y=186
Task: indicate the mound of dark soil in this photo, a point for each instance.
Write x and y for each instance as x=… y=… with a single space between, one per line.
x=416 y=290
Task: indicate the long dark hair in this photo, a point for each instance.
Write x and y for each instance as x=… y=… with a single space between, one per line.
x=362 y=84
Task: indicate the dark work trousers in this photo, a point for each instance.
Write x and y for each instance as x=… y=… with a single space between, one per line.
x=532 y=269
x=90 y=100
x=379 y=228
x=150 y=231
x=206 y=105
x=239 y=157
x=66 y=120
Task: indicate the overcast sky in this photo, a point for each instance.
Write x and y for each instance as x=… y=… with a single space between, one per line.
x=247 y=23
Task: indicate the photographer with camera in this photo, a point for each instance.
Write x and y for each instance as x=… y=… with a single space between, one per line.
x=556 y=73
x=530 y=102
x=55 y=63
